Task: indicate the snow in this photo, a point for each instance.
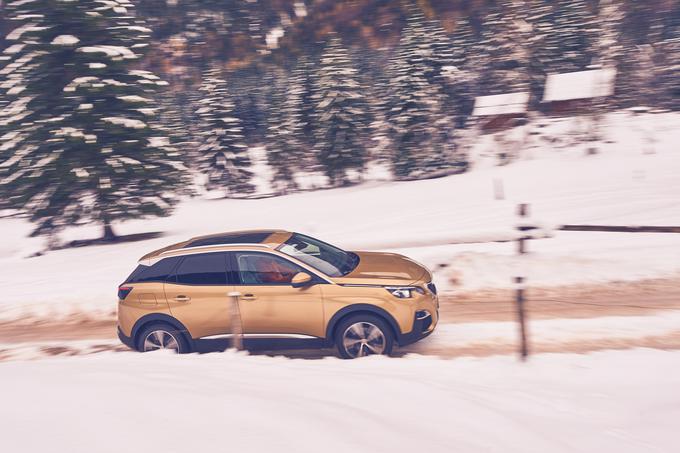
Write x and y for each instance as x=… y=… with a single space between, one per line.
x=125 y=122
x=16 y=34
x=134 y=98
x=434 y=221
x=110 y=51
x=274 y=36
x=300 y=9
x=501 y=104
x=14 y=48
x=579 y=85
x=65 y=40
x=554 y=403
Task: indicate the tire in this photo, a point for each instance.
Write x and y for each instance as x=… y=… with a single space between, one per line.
x=364 y=334
x=157 y=336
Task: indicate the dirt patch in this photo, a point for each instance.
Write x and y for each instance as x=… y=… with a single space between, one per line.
x=576 y=301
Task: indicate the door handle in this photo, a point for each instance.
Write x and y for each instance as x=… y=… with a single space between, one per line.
x=182 y=298
x=249 y=296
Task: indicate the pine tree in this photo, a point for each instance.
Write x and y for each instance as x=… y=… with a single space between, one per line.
x=502 y=50
x=341 y=117
x=79 y=141
x=285 y=149
x=462 y=74
x=669 y=64
x=223 y=154
x=416 y=109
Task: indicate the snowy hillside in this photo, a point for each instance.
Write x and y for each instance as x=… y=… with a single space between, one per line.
x=624 y=184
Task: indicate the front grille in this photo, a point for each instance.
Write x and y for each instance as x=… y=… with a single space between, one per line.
x=432 y=287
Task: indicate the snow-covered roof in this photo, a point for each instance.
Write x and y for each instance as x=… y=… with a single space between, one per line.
x=580 y=85
x=501 y=104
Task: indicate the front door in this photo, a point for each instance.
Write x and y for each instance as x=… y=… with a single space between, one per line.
x=198 y=294
x=268 y=302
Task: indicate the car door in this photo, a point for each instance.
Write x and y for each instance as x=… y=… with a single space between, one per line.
x=268 y=303
x=197 y=294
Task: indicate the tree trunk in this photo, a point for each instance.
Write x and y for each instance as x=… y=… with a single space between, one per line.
x=109 y=235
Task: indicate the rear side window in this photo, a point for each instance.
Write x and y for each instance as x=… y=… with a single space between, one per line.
x=203 y=269
x=158 y=272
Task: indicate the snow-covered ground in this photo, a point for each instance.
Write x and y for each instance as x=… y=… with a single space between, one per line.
x=624 y=184
x=222 y=402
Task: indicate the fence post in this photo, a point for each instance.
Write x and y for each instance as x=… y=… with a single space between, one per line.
x=522 y=227
x=235 y=318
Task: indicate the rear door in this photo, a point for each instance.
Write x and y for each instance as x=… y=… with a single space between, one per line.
x=268 y=303
x=197 y=294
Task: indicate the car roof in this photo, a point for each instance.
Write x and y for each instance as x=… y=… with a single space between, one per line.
x=227 y=241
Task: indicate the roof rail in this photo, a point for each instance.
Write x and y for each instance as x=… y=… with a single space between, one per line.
x=226 y=244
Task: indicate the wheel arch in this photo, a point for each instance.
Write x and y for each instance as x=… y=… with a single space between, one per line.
x=357 y=309
x=160 y=318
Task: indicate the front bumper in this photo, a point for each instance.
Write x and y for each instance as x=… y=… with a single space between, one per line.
x=423 y=325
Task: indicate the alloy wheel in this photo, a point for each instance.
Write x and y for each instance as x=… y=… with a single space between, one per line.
x=160 y=339
x=363 y=338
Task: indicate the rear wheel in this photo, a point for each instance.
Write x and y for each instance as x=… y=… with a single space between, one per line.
x=362 y=335
x=161 y=336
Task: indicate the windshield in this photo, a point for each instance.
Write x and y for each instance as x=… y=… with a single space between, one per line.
x=330 y=260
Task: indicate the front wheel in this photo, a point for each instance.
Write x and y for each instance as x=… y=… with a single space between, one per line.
x=362 y=335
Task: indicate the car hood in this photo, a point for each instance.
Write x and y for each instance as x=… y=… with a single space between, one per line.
x=385 y=269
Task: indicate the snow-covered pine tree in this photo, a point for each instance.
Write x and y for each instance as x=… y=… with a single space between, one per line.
x=415 y=110
x=341 y=118
x=461 y=75
x=568 y=35
x=669 y=66
x=79 y=143
x=303 y=73
x=285 y=149
x=440 y=55
x=502 y=50
x=223 y=153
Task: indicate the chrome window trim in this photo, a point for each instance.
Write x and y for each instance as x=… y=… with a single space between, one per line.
x=211 y=249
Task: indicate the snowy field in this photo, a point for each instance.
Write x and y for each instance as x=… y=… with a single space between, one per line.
x=231 y=402
x=631 y=181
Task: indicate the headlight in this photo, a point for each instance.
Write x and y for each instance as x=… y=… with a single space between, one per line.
x=404 y=292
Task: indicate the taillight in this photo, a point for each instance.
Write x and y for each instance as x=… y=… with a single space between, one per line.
x=123 y=291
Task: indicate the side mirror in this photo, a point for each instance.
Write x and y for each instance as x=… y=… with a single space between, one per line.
x=301 y=279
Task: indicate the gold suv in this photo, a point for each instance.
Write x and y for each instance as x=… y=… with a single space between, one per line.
x=275 y=283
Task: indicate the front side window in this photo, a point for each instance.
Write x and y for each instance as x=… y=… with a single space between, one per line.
x=265 y=269
x=330 y=260
x=203 y=269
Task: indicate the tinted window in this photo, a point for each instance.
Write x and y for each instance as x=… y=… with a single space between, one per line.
x=159 y=272
x=245 y=238
x=203 y=269
x=265 y=269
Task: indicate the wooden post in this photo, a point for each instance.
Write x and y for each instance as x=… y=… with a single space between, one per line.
x=235 y=318
x=523 y=213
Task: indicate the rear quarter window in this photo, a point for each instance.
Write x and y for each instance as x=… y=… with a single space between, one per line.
x=158 y=272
